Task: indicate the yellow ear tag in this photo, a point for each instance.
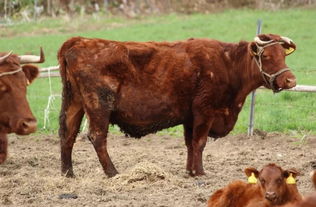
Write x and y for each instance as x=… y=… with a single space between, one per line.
x=290 y=179
x=252 y=179
x=289 y=51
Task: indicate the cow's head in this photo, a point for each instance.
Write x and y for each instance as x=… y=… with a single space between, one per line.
x=269 y=52
x=15 y=113
x=274 y=182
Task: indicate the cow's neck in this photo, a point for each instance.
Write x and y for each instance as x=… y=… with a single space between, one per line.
x=246 y=70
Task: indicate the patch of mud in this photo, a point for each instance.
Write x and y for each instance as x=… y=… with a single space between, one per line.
x=152 y=169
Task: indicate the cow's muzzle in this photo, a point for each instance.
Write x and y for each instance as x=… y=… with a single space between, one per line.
x=285 y=81
x=271 y=196
x=26 y=126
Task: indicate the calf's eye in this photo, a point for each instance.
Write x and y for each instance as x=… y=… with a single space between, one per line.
x=262 y=181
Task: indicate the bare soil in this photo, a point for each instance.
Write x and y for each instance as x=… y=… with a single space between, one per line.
x=152 y=169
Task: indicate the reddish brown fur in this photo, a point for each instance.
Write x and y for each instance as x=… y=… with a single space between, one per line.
x=15 y=113
x=310 y=200
x=272 y=179
x=149 y=86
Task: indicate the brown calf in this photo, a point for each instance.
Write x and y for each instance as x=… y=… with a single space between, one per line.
x=271 y=190
x=144 y=87
x=15 y=113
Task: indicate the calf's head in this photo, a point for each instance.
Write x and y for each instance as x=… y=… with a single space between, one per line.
x=274 y=182
x=269 y=52
x=15 y=113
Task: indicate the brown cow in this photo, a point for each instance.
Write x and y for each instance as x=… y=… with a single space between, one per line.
x=15 y=113
x=146 y=87
x=272 y=190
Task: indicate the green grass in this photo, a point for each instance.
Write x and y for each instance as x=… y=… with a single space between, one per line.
x=284 y=112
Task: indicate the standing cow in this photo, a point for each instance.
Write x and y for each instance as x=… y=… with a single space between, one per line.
x=146 y=87
x=15 y=113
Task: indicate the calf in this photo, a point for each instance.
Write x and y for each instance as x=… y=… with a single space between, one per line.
x=275 y=187
x=15 y=113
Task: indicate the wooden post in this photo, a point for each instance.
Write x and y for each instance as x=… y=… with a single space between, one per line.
x=253 y=94
x=5 y=9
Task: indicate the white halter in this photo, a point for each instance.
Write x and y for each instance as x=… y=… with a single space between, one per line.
x=10 y=72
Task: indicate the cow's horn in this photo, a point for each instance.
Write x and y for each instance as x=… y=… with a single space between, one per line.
x=261 y=42
x=3 y=58
x=32 y=58
x=286 y=40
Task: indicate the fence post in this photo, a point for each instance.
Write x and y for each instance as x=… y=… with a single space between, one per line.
x=253 y=94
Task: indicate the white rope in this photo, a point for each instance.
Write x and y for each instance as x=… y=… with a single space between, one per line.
x=11 y=72
x=51 y=98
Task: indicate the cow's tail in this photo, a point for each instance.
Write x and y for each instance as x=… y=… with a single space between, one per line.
x=67 y=94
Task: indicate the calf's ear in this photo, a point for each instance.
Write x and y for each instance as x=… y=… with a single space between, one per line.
x=292 y=171
x=31 y=72
x=249 y=170
x=290 y=176
x=252 y=174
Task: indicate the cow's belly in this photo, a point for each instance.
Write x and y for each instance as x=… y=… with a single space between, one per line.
x=141 y=112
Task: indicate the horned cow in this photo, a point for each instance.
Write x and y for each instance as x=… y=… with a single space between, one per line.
x=149 y=86
x=15 y=113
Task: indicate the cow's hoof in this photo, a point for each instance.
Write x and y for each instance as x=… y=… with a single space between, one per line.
x=3 y=157
x=194 y=173
x=111 y=173
x=68 y=174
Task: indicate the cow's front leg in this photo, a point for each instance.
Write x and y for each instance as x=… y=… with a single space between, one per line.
x=188 y=136
x=99 y=123
x=200 y=132
x=3 y=147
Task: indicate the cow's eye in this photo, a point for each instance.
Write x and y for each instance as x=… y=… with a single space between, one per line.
x=279 y=181
x=262 y=181
x=266 y=57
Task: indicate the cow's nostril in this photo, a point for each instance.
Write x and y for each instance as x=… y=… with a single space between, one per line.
x=270 y=195
x=29 y=126
x=290 y=80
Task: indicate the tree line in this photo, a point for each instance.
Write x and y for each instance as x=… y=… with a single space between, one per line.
x=132 y=8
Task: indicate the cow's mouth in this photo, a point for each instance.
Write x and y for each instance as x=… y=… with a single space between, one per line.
x=274 y=201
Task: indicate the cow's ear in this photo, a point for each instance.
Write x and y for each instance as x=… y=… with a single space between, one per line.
x=289 y=48
x=248 y=171
x=253 y=48
x=252 y=174
x=30 y=71
x=292 y=171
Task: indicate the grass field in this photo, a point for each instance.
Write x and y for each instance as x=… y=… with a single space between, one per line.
x=286 y=112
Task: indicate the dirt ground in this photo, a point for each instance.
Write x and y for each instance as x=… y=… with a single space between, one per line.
x=152 y=169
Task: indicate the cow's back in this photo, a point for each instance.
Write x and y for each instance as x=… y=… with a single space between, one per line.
x=151 y=84
x=236 y=194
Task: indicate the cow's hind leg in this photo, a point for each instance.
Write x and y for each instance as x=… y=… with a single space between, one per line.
x=99 y=104
x=99 y=123
x=70 y=119
x=3 y=147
